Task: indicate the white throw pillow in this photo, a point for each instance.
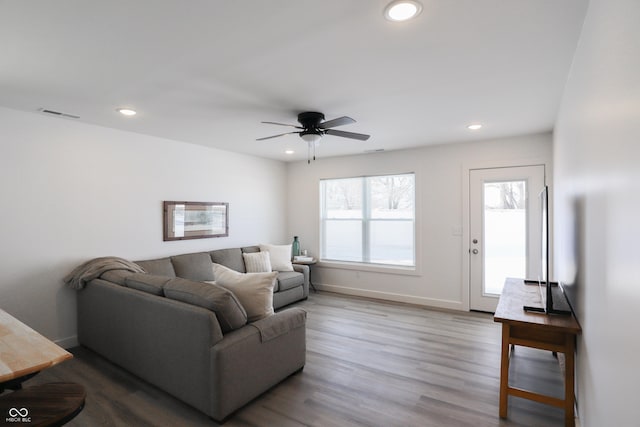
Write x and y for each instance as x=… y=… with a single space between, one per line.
x=257 y=262
x=254 y=290
x=280 y=256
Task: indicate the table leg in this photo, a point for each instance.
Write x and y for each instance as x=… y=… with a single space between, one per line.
x=569 y=385
x=16 y=383
x=504 y=371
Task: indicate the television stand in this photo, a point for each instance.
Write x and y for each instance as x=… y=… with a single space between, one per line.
x=553 y=333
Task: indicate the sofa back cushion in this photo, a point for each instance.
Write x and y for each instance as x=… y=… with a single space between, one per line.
x=159 y=267
x=229 y=312
x=250 y=249
x=148 y=283
x=230 y=258
x=116 y=276
x=197 y=266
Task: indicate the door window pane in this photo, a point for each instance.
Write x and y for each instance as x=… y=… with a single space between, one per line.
x=505 y=233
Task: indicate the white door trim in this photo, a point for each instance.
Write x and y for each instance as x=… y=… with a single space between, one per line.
x=466 y=170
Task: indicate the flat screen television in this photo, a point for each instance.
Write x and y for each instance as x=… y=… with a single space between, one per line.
x=547 y=288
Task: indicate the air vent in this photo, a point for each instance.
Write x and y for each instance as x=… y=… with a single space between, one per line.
x=58 y=113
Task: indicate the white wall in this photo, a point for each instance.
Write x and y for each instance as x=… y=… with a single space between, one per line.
x=439 y=189
x=71 y=192
x=597 y=183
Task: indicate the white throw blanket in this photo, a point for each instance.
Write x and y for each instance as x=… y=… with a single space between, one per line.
x=95 y=267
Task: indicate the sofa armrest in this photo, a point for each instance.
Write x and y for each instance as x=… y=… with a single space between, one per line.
x=272 y=327
x=304 y=269
x=244 y=365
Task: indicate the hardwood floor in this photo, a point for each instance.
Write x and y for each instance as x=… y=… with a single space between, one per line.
x=369 y=363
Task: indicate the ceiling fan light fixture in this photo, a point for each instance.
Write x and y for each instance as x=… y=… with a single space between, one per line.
x=313 y=127
x=310 y=137
x=402 y=10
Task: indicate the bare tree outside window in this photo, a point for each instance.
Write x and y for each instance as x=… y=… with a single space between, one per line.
x=506 y=195
x=393 y=193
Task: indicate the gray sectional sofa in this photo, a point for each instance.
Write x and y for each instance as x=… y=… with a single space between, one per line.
x=192 y=338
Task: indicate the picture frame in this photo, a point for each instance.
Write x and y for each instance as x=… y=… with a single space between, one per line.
x=195 y=220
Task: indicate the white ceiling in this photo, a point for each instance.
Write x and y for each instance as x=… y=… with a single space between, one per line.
x=208 y=72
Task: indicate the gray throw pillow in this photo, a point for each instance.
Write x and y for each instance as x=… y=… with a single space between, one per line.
x=148 y=283
x=229 y=312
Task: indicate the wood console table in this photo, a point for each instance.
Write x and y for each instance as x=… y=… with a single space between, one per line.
x=547 y=332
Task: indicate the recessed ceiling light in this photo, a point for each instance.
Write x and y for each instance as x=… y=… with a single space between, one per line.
x=289 y=152
x=126 y=111
x=402 y=10
x=474 y=127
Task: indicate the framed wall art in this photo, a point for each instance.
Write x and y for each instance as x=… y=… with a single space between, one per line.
x=195 y=220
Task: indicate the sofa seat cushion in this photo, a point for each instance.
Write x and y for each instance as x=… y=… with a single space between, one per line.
x=149 y=283
x=254 y=290
x=289 y=279
x=230 y=258
x=196 y=266
x=229 y=312
x=159 y=267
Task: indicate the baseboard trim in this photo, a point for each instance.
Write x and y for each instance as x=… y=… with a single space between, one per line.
x=389 y=296
x=68 y=342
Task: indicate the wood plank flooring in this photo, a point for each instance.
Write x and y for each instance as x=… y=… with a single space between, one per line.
x=369 y=363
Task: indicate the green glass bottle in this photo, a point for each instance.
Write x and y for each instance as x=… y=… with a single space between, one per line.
x=295 y=247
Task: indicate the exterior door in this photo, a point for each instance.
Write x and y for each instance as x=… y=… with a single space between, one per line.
x=504 y=230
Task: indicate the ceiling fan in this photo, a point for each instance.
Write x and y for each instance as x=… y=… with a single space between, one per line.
x=312 y=129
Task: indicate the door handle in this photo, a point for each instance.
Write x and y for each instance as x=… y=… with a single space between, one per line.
x=475 y=251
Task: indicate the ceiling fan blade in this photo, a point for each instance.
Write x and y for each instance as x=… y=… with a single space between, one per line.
x=352 y=135
x=340 y=121
x=282 y=124
x=275 y=136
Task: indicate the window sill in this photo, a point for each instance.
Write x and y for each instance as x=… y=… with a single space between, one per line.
x=373 y=268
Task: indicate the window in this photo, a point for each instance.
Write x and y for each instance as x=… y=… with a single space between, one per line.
x=368 y=219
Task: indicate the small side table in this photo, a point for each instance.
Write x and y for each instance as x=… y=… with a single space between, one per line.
x=24 y=352
x=49 y=405
x=309 y=263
